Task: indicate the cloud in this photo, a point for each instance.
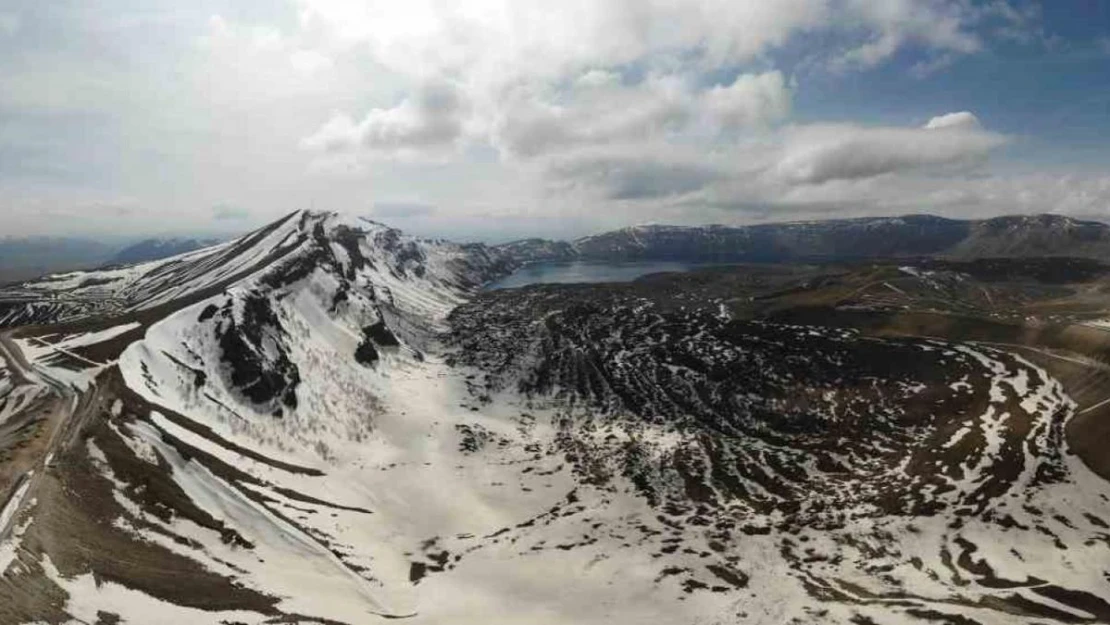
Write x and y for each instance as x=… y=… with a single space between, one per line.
x=597 y=109
x=227 y=212
x=431 y=120
x=752 y=99
x=530 y=77
x=505 y=41
x=985 y=195
x=936 y=26
x=930 y=66
x=961 y=120
x=790 y=162
x=600 y=111
x=630 y=173
x=402 y=210
x=605 y=110
x=819 y=153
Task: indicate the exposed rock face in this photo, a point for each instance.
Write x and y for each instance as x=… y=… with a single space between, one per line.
x=252 y=349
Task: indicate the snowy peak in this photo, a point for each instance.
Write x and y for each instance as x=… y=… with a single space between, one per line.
x=367 y=291
x=354 y=250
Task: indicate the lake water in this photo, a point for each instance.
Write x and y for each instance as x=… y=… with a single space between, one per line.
x=581 y=271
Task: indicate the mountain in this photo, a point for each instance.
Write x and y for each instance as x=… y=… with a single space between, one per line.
x=153 y=249
x=22 y=258
x=538 y=250
x=328 y=421
x=1033 y=236
x=30 y=257
x=911 y=236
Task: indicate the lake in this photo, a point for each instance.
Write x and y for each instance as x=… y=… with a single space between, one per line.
x=584 y=271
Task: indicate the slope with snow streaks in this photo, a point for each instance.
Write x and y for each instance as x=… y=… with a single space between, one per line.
x=895 y=480
x=329 y=425
x=215 y=387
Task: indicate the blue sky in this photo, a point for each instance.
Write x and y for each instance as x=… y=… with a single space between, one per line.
x=495 y=118
x=1052 y=91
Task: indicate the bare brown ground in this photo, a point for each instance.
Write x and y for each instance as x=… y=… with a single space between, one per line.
x=74 y=525
x=24 y=440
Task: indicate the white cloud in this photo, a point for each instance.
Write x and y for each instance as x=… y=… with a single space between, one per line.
x=537 y=76
x=819 y=153
x=751 y=100
x=632 y=172
x=961 y=120
x=432 y=120
x=1086 y=195
x=796 y=163
x=599 y=111
x=604 y=109
x=499 y=41
x=935 y=25
x=402 y=210
x=529 y=121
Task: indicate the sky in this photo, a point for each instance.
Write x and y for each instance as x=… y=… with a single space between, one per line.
x=498 y=119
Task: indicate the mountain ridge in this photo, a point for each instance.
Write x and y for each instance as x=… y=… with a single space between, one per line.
x=916 y=235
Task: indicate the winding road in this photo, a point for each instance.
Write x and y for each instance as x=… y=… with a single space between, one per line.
x=66 y=408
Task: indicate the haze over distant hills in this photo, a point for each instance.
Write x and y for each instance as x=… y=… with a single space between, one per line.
x=29 y=257
x=839 y=239
x=153 y=249
x=1016 y=236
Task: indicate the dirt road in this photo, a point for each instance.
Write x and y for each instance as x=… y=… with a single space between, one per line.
x=63 y=415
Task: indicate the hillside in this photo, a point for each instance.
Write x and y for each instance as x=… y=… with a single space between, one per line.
x=327 y=421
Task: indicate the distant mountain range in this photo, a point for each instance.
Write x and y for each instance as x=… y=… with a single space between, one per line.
x=838 y=239
x=154 y=249
x=34 y=256
x=30 y=257
x=910 y=236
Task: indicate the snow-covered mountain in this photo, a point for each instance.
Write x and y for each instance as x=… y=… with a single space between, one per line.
x=325 y=422
x=22 y=258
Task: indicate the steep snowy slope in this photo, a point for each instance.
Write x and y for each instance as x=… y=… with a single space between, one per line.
x=324 y=422
x=302 y=237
